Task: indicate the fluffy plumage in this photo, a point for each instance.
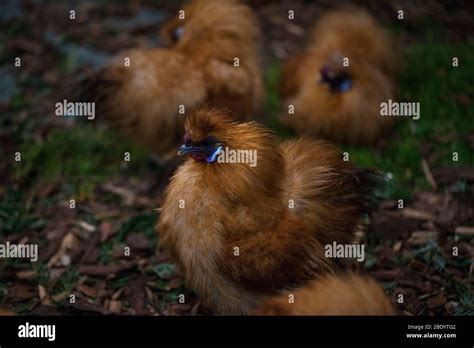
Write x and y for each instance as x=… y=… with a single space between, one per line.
x=333 y=101
x=144 y=99
x=5 y=312
x=347 y=294
x=279 y=213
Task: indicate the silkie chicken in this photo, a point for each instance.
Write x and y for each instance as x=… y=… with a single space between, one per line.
x=240 y=232
x=5 y=312
x=146 y=100
x=334 y=87
x=347 y=294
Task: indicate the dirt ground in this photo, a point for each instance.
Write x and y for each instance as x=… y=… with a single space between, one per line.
x=420 y=249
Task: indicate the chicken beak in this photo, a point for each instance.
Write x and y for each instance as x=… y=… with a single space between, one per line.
x=189 y=150
x=185 y=150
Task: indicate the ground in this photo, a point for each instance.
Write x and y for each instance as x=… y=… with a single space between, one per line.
x=423 y=251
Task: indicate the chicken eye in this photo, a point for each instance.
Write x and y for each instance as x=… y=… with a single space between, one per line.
x=177 y=33
x=338 y=82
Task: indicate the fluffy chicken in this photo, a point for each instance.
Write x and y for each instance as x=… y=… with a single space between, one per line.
x=213 y=59
x=5 y=312
x=348 y=294
x=240 y=231
x=336 y=84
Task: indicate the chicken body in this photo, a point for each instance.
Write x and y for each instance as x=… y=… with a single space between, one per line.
x=334 y=87
x=5 y=312
x=240 y=233
x=213 y=59
x=348 y=294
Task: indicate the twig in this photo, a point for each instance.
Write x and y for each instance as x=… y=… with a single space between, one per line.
x=417 y=214
x=414 y=285
x=464 y=230
x=428 y=175
x=103 y=270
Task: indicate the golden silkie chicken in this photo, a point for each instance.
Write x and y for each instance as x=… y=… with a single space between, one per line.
x=334 y=87
x=5 y=312
x=242 y=231
x=213 y=59
x=346 y=294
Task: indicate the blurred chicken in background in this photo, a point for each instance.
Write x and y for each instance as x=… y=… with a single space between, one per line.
x=346 y=294
x=241 y=230
x=336 y=84
x=212 y=58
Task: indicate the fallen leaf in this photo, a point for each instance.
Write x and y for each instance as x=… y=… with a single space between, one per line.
x=19 y=292
x=43 y=295
x=129 y=197
x=450 y=174
x=175 y=283
x=137 y=290
x=137 y=241
x=106 y=231
x=465 y=230
x=25 y=274
x=419 y=238
x=61 y=296
x=397 y=246
x=436 y=301
x=417 y=214
x=91 y=251
x=69 y=242
x=87 y=226
x=84 y=306
x=87 y=290
x=106 y=270
x=386 y=274
x=424 y=288
x=115 y=306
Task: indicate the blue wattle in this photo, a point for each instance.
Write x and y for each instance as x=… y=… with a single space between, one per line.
x=344 y=86
x=212 y=157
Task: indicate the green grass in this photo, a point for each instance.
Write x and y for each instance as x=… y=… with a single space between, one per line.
x=163 y=270
x=15 y=216
x=466 y=299
x=272 y=102
x=143 y=223
x=81 y=156
x=65 y=283
x=85 y=155
x=119 y=282
x=428 y=77
x=432 y=254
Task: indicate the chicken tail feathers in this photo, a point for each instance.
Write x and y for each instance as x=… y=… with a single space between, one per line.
x=327 y=192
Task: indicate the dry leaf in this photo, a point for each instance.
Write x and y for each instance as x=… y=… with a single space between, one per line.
x=419 y=238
